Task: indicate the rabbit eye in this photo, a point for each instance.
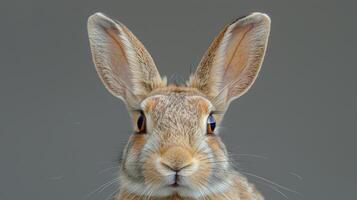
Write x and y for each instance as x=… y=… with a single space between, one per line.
x=141 y=123
x=211 y=124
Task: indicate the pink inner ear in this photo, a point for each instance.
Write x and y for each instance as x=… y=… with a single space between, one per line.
x=233 y=60
x=237 y=54
x=120 y=65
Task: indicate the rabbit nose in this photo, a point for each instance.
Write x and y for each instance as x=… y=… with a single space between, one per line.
x=176 y=159
x=175 y=168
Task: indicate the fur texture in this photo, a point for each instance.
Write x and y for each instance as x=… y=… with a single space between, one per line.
x=175 y=158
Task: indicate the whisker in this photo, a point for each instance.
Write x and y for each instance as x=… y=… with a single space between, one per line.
x=108 y=169
x=113 y=194
x=271 y=182
x=249 y=155
x=296 y=175
x=102 y=187
x=273 y=188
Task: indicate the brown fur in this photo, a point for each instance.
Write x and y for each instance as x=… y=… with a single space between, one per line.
x=175 y=145
x=241 y=190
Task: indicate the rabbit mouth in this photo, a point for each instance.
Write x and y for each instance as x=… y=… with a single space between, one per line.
x=176 y=181
x=175 y=185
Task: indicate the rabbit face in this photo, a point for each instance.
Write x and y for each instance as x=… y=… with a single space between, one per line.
x=175 y=149
x=176 y=154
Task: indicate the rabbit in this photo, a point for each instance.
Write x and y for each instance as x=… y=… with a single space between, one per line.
x=175 y=151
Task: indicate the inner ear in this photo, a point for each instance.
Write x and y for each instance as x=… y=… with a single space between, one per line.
x=236 y=56
x=232 y=62
x=120 y=58
x=122 y=62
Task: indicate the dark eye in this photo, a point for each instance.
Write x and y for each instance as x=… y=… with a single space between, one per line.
x=141 y=123
x=211 y=124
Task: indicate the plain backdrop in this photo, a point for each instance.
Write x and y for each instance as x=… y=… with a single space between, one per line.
x=61 y=132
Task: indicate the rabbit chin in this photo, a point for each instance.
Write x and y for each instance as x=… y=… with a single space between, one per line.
x=184 y=190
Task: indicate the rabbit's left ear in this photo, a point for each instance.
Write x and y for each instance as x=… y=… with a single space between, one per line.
x=232 y=62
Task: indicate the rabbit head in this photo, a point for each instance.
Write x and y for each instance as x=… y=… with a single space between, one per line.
x=175 y=148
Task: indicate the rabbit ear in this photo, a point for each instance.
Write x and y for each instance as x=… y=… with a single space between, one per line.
x=122 y=62
x=232 y=62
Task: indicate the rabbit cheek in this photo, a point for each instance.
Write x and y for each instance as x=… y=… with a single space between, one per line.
x=135 y=146
x=132 y=156
x=138 y=141
x=151 y=175
x=221 y=162
x=217 y=147
x=201 y=176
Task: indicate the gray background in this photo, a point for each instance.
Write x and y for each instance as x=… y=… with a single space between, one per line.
x=60 y=128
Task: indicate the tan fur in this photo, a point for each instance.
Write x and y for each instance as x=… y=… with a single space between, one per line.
x=175 y=147
x=232 y=62
x=241 y=190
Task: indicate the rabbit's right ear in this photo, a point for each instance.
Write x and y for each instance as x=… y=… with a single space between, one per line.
x=122 y=62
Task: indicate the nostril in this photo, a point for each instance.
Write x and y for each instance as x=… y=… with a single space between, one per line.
x=185 y=166
x=175 y=168
x=167 y=166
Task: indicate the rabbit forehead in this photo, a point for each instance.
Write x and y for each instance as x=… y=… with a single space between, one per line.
x=176 y=102
x=176 y=115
